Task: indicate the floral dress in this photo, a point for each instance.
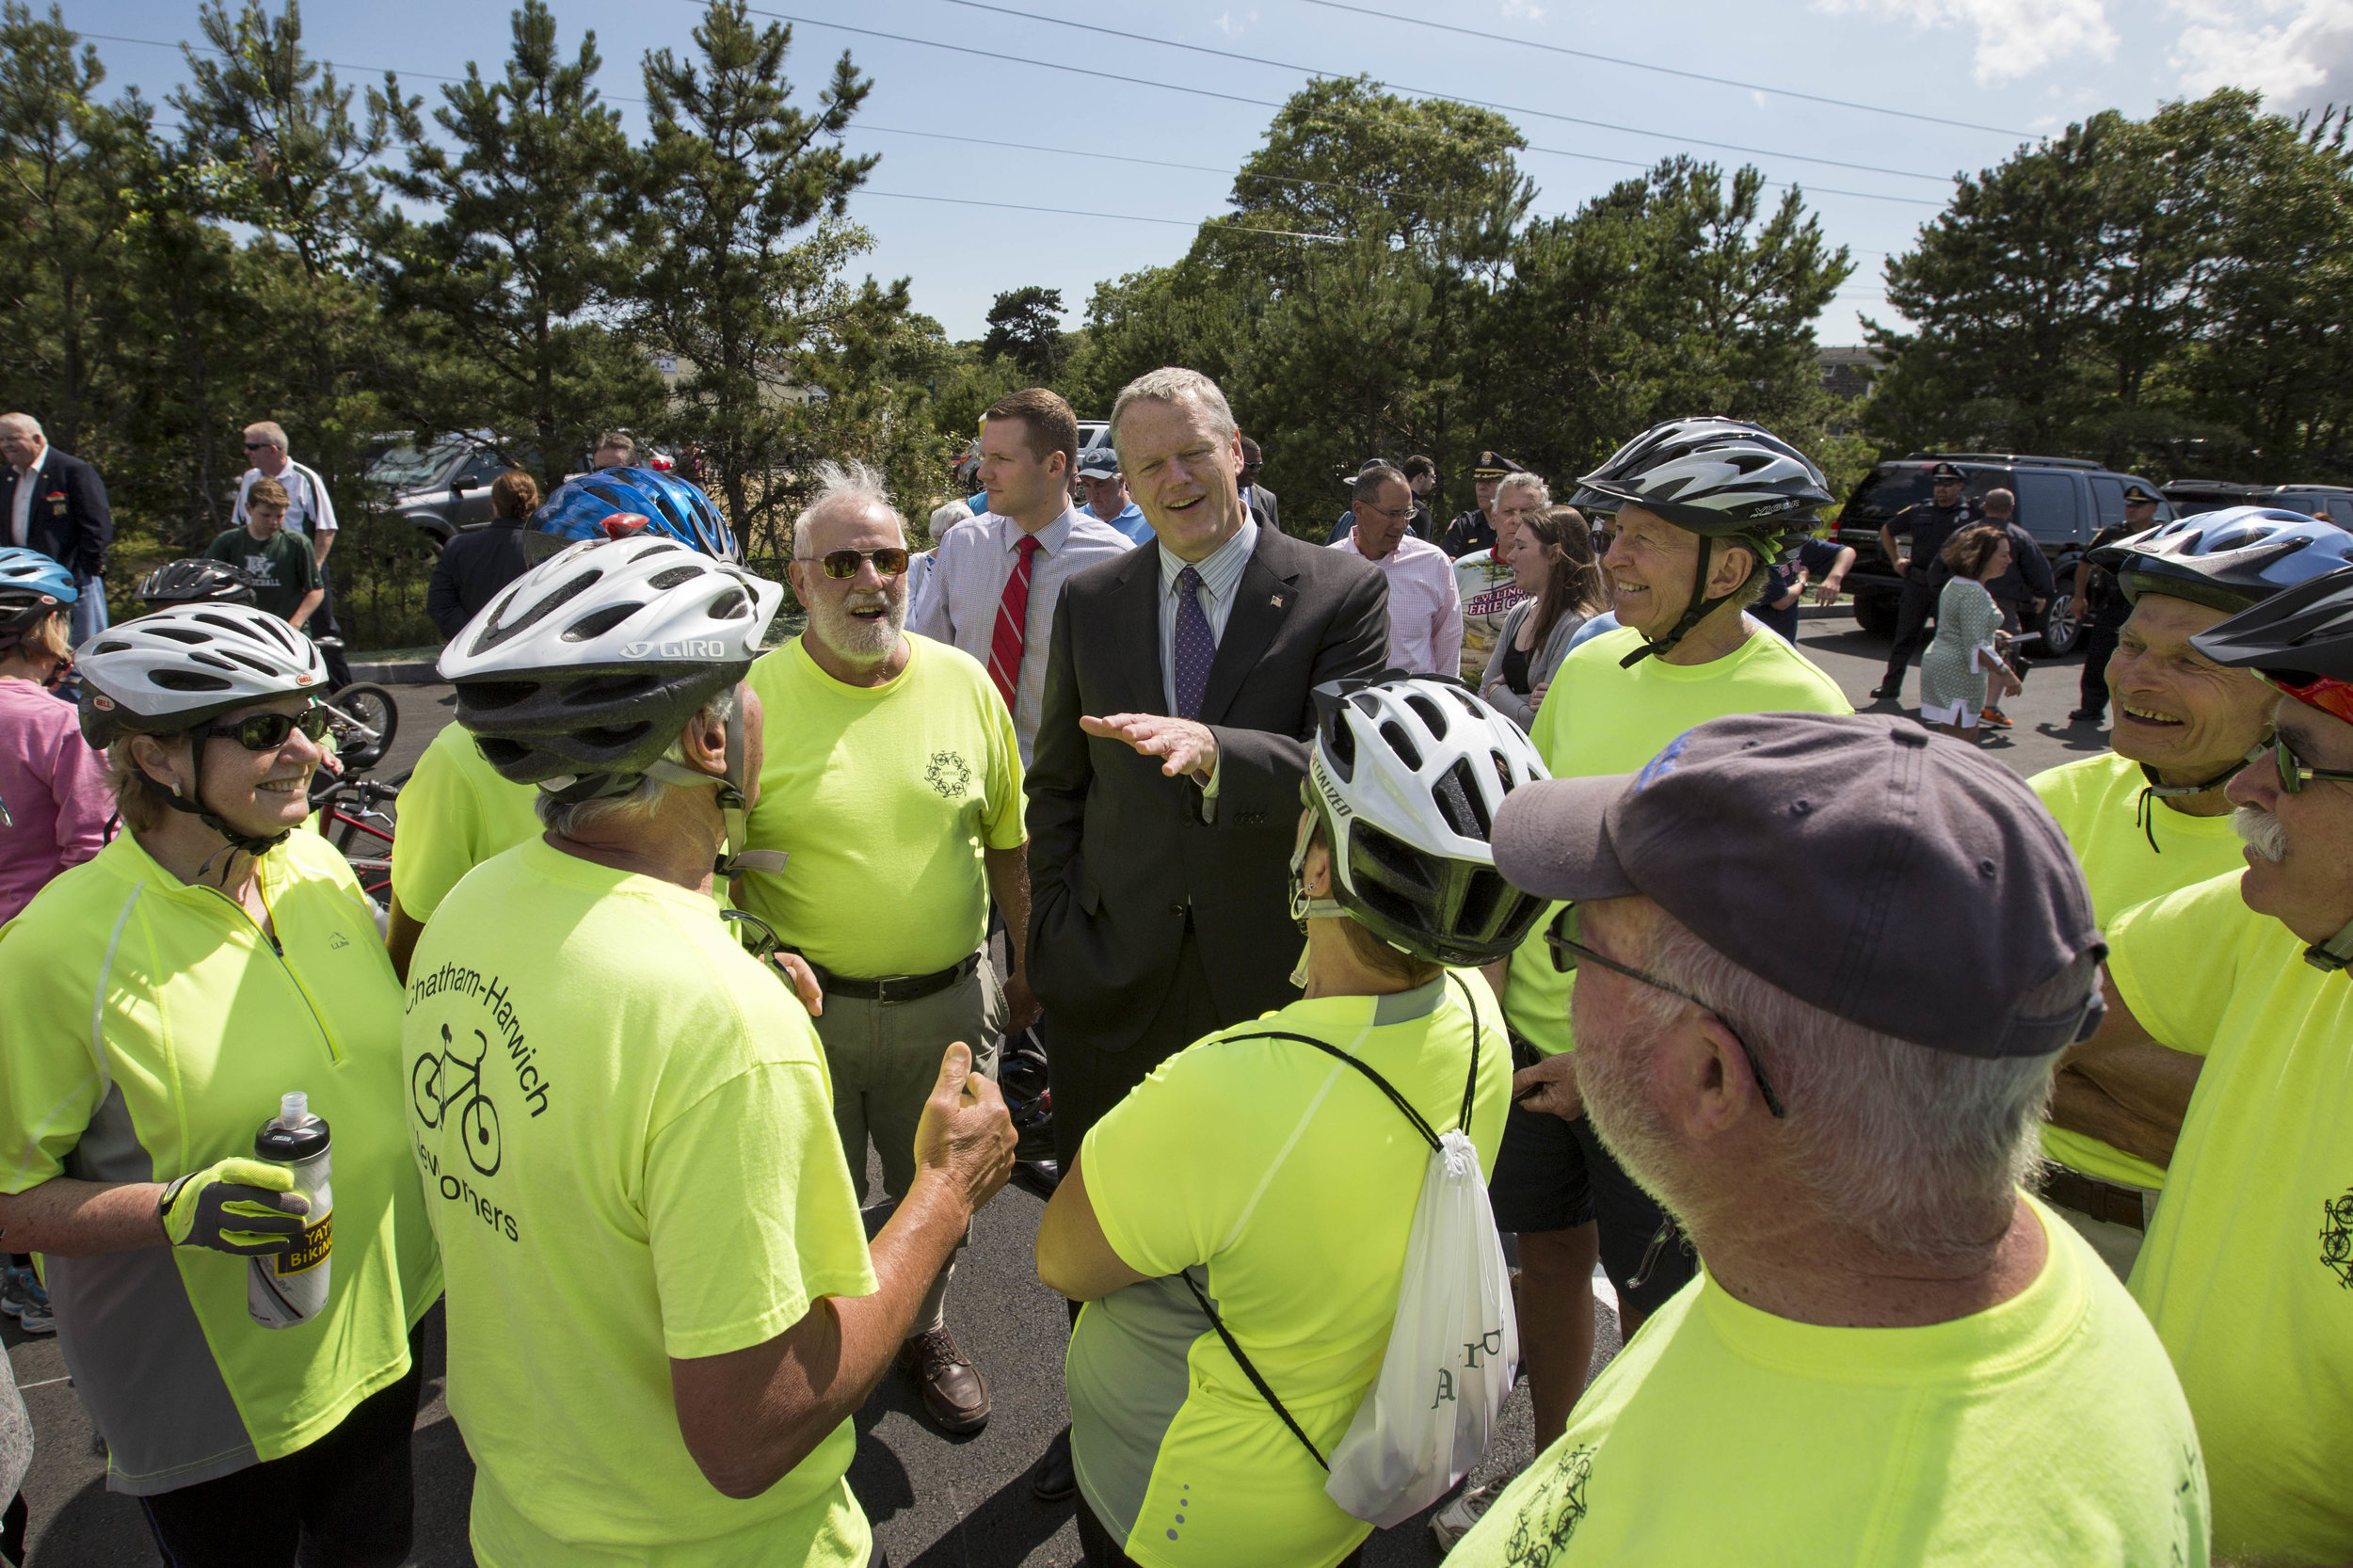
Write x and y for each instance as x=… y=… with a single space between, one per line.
x=1966 y=619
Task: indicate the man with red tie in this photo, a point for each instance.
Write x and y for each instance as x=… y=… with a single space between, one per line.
x=996 y=582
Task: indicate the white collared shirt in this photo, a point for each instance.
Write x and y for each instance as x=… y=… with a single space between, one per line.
x=1221 y=575
x=20 y=511
x=310 y=511
x=967 y=583
x=1425 y=606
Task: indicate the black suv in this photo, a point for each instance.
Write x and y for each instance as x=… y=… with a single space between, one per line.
x=2061 y=501
x=2193 y=496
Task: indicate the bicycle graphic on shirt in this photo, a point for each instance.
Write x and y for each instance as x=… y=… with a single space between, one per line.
x=439 y=1079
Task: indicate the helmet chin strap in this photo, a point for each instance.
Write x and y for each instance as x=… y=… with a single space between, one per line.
x=1305 y=907
x=1701 y=608
x=2335 y=954
x=193 y=805
x=2146 y=817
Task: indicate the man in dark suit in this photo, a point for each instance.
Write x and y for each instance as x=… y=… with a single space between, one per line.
x=1163 y=788
x=56 y=503
x=1256 y=496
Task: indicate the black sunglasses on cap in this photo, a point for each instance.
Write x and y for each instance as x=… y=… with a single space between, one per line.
x=889 y=561
x=268 y=731
x=1562 y=938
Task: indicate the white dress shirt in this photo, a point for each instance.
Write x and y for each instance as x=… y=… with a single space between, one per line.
x=969 y=570
x=1425 y=607
x=310 y=512
x=21 y=507
x=1221 y=575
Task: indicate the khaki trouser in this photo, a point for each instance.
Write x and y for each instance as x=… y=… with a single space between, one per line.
x=884 y=1058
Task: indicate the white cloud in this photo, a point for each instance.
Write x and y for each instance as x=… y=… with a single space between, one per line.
x=1522 y=10
x=1232 y=25
x=2298 y=52
x=2015 y=38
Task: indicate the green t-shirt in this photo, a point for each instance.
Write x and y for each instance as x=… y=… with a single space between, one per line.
x=624 y=1125
x=2248 y=1271
x=884 y=796
x=456 y=812
x=1286 y=1183
x=2043 y=1431
x=2097 y=804
x=284 y=568
x=1601 y=719
x=151 y=1028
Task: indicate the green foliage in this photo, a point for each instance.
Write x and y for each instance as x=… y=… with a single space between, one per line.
x=1025 y=326
x=2162 y=294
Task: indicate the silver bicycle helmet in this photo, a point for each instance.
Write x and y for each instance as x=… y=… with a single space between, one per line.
x=579 y=674
x=1719 y=478
x=173 y=672
x=1405 y=776
x=2227 y=559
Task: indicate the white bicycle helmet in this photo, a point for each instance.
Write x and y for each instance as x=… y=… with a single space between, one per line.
x=2227 y=559
x=1406 y=777
x=169 y=672
x=1719 y=478
x=579 y=676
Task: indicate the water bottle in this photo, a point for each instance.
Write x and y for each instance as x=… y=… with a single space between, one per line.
x=291 y=1288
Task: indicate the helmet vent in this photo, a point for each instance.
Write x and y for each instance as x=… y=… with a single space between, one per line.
x=1503 y=770
x=598 y=622
x=612 y=497
x=1483 y=896
x=180 y=635
x=1402 y=744
x=1339 y=742
x=497 y=633
x=666 y=581
x=1457 y=797
x=187 y=680
x=734 y=604
x=1431 y=715
x=490 y=696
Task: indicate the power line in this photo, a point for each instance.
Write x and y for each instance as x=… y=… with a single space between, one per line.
x=1432 y=93
x=1069 y=212
x=1666 y=70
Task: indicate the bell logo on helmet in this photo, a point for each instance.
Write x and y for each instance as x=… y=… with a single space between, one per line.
x=101 y=701
x=304 y=679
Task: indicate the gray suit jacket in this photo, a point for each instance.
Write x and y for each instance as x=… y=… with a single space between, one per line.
x=1120 y=853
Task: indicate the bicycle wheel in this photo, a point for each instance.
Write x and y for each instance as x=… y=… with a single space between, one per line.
x=374 y=720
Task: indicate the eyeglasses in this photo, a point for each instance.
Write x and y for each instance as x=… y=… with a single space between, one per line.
x=2294 y=773
x=1393 y=515
x=1561 y=937
x=268 y=731
x=889 y=561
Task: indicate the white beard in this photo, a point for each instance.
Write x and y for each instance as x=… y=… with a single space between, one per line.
x=2261 y=832
x=860 y=641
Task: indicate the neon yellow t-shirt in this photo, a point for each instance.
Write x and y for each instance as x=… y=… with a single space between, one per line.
x=1600 y=719
x=2044 y=1431
x=2247 y=1271
x=152 y=1027
x=625 y=1127
x=1286 y=1182
x=884 y=797
x=456 y=812
x=2097 y=804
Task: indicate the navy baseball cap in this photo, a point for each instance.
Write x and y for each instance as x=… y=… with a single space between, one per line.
x=1887 y=876
x=1098 y=462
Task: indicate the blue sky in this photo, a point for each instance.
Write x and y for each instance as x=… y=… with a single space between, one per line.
x=955 y=216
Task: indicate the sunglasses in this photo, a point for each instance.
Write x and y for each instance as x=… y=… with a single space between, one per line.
x=1562 y=938
x=259 y=446
x=889 y=561
x=2294 y=773
x=268 y=731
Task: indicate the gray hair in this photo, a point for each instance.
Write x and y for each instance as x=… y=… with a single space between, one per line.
x=271 y=428
x=1174 y=384
x=1920 y=1150
x=851 y=483
x=1367 y=485
x=23 y=424
x=1525 y=482
x=640 y=802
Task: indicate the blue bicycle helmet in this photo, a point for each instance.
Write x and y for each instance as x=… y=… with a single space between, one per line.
x=32 y=587
x=2229 y=559
x=672 y=508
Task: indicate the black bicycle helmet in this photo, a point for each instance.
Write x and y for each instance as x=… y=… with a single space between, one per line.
x=197 y=580
x=1719 y=478
x=1406 y=775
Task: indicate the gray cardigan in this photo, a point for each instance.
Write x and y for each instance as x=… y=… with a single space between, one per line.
x=1542 y=662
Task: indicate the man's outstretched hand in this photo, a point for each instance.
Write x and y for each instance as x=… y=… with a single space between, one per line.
x=1182 y=745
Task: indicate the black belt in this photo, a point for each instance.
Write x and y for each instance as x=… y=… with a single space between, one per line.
x=895 y=988
x=2112 y=1201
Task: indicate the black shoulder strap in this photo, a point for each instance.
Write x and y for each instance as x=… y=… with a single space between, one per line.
x=1421 y=1126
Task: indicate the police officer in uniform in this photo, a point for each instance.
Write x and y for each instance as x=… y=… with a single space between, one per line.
x=1930 y=525
x=2100 y=604
x=1475 y=530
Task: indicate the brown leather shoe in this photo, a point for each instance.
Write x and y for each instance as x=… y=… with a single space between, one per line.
x=954 y=1392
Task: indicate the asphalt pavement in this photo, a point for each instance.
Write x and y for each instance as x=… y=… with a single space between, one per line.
x=935 y=1501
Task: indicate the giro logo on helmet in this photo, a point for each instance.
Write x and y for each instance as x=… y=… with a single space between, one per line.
x=693 y=647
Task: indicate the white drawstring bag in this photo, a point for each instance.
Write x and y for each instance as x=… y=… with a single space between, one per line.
x=1454 y=1348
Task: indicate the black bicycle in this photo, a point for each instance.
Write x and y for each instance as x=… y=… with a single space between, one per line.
x=438 y=1081
x=358 y=816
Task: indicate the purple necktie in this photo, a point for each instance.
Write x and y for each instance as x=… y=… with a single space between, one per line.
x=1196 y=651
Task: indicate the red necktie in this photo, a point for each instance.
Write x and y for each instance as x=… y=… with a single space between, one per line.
x=1012 y=625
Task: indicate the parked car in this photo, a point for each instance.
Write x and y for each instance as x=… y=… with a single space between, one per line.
x=2061 y=501
x=2192 y=496
x=442 y=488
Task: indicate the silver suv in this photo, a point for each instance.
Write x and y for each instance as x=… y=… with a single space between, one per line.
x=443 y=488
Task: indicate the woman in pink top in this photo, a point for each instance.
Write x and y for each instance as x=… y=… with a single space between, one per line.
x=54 y=800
